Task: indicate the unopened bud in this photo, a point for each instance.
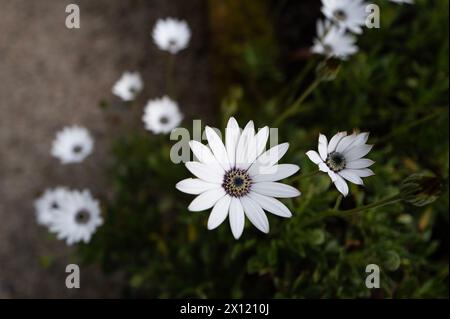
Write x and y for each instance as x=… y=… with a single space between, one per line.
x=420 y=189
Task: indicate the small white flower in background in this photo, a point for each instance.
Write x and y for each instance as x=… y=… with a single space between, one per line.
x=50 y=203
x=72 y=144
x=238 y=179
x=128 y=86
x=348 y=14
x=333 y=41
x=171 y=35
x=342 y=159
x=403 y=1
x=162 y=115
x=79 y=219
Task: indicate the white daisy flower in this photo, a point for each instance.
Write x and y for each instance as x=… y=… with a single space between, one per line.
x=128 y=86
x=162 y=115
x=403 y=1
x=171 y=35
x=333 y=41
x=72 y=144
x=348 y=14
x=342 y=159
x=52 y=202
x=79 y=220
x=239 y=179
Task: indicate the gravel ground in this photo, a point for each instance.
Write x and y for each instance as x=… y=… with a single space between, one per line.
x=51 y=77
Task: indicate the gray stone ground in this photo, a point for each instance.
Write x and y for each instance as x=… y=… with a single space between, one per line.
x=50 y=77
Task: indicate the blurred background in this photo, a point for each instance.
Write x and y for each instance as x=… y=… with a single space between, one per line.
x=249 y=59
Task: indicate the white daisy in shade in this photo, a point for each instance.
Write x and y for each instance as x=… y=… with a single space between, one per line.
x=72 y=144
x=52 y=202
x=342 y=159
x=79 y=220
x=128 y=86
x=162 y=115
x=333 y=41
x=403 y=1
x=239 y=178
x=171 y=35
x=348 y=14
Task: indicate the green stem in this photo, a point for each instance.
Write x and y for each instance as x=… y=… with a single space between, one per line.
x=295 y=106
x=338 y=202
x=170 y=76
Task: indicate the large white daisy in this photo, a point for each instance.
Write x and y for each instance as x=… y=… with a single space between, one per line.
x=72 y=144
x=333 y=41
x=79 y=220
x=162 y=115
x=128 y=86
x=348 y=14
x=239 y=178
x=52 y=202
x=342 y=159
x=171 y=35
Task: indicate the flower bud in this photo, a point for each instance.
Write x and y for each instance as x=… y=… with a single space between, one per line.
x=420 y=189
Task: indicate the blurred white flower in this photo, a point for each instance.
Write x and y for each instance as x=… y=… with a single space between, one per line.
x=79 y=220
x=238 y=179
x=348 y=14
x=72 y=144
x=333 y=41
x=342 y=159
x=171 y=35
x=403 y=1
x=52 y=202
x=162 y=115
x=128 y=86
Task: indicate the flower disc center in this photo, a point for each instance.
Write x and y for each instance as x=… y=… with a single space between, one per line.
x=340 y=15
x=336 y=161
x=82 y=217
x=236 y=182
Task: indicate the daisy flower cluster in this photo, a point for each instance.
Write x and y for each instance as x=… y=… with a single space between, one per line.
x=344 y=19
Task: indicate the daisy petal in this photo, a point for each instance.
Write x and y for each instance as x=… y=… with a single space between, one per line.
x=206 y=200
x=332 y=175
x=275 y=173
x=314 y=157
x=261 y=140
x=207 y=172
x=345 y=143
x=341 y=185
x=246 y=148
x=361 y=138
x=271 y=205
x=275 y=189
x=217 y=147
x=359 y=163
x=324 y=168
x=323 y=147
x=237 y=218
x=195 y=186
x=351 y=177
x=219 y=213
x=255 y=214
x=365 y=172
x=232 y=134
x=202 y=152
x=356 y=152
x=335 y=140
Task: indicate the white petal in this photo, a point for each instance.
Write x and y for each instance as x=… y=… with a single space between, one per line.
x=246 y=148
x=206 y=200
x=345 y=143
x=351 y=177
x=341 y=185
x=335 y=140
x=365 y=172
x=359 y=163
x=271 y=205
x=261 y=140
x=202 y=152
x=195 y=186
x=356 y=152
x=275 y=189
x=217 y=148
x=269 y=158
x=207 y=172
x=219 y=213
x=361 y=138
x=324 y=168
x=237 y=218
x=323 y=147
x=255 y=214
x=314 y=157
x=232 y=134
x=275 y=173
x=332 y=175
